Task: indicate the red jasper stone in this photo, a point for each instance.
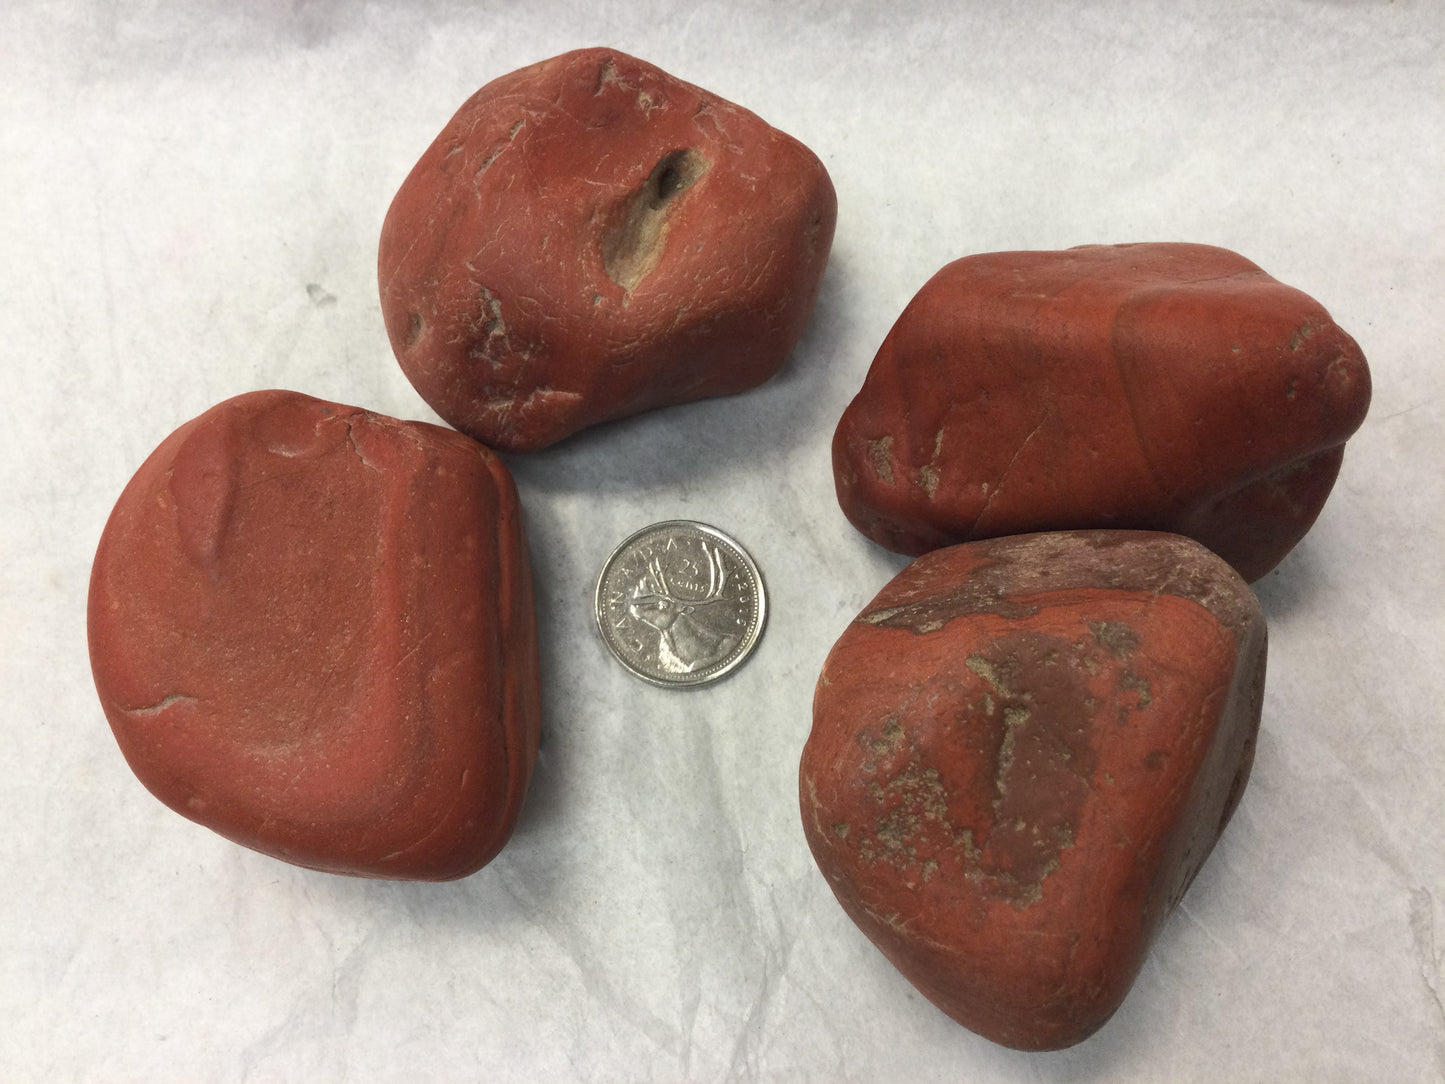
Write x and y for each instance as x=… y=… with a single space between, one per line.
x=311 y=628
x=1163 y=386
x=590 y=237
x=1022 y=752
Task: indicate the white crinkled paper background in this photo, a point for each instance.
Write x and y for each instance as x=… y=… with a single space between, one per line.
x=190 y=200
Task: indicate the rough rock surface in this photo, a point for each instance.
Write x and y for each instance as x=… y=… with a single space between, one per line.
x=1169 y=387
x=589 y=238
x=311 y=628
x=1022 y=752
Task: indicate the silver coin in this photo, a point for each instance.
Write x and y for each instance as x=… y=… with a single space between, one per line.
x=680 y=604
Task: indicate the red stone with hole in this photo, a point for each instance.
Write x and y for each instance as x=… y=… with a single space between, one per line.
x=1022 y=752
x=1164 y=386
x=590 y=237
x=311 y=628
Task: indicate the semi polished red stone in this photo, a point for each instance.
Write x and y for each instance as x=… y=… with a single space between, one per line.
x=1022 y=752
x=312 y=630
x=1163 y=386
x=590 y=237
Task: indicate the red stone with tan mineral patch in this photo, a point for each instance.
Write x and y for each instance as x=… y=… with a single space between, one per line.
x=312 y=630
x=1170 y=387
x=1022 y=752
x=590 y=237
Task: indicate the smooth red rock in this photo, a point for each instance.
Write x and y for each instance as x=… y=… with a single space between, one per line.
x=1162 y=386
x=311 y=628
x=1022 y=752
x=589 y=238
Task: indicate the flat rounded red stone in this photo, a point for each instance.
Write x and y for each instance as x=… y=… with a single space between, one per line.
x=311 y=628
x=590 y=237
x=1022 y=752
x=1169 y=387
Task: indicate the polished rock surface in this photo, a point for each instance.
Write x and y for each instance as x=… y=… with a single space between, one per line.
x=590 y=237
x=1022 y=752
x=195 y=190
x=1171 y=387
x=311 y=628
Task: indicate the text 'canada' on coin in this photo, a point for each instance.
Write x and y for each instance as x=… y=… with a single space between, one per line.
x=680 y=604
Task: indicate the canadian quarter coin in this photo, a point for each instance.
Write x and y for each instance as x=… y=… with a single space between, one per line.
x=680 y=604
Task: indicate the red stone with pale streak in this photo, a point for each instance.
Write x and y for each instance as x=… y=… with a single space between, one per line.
x=1022 y=752
x=1163 y=386
x=312 y=630
x=590 y=237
